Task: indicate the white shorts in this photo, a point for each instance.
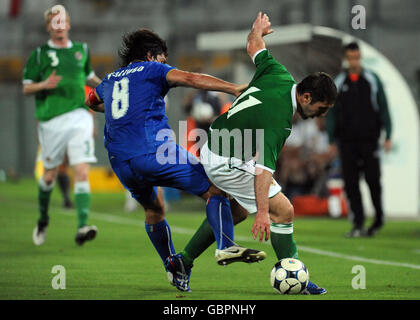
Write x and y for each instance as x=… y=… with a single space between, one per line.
x=70 y=133
x=234 y=177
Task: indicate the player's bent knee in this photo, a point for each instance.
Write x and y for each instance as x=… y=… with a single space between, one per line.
x=215 y=191
x=82 y=172
x=284 y=215
x=49 y=176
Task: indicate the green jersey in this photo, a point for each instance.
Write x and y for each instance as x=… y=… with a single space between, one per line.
x=72 y=64
x=260 y=119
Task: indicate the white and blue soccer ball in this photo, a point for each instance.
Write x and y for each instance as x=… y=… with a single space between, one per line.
x=289 y=276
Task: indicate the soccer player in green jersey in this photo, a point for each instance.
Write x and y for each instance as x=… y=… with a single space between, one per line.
x=56 y=74
x=244 y=143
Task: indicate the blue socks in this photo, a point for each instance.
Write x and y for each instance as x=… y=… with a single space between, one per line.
x=220 y=219
x=160 y=235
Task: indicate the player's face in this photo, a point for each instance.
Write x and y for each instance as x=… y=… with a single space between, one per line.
x=57 y=29
x=353 y=59
x=307 y=109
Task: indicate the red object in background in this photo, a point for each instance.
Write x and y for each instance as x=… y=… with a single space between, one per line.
x=354 y=77
x=311 y=205
x=15 y=6
x=226 y=107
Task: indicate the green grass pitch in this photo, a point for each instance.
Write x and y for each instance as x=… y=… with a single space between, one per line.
x=122 y=264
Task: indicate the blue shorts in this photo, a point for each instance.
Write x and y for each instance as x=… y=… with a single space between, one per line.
x=142 y=175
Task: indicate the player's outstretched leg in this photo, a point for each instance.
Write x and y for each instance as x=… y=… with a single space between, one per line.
x=82 y=202
x=156 y=225
x=45 y=187
x=219 y=216
x=281 y=229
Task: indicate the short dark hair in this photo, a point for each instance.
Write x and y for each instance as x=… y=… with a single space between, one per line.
x=137 y=44
x=321 y=87
x=351 y=46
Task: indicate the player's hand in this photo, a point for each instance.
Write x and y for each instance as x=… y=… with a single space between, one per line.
x=239 y=88
x=262 y=24
x=261 y=225
x=52 y=81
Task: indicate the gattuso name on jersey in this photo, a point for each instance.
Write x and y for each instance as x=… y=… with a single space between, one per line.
x=125 y=72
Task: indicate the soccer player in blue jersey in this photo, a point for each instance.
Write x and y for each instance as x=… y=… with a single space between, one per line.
x=144 y=156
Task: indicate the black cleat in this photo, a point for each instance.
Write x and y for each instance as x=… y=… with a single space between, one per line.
x=356 y=233
x=67 y=204
x=374 y=228
x=40 y=233
x=85 y=233
x=239 y=254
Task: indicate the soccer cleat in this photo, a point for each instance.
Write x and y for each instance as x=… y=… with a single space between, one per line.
x=40 y=233
x=67 y=204
x=170 y=277
x=85 y=233
x=312 y=288
x=236 y=253
x=374 y=228
x=179 y=272
x=356 y=233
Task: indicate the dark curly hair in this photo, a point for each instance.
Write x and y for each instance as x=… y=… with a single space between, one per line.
x=321 y=87
x=136 y=45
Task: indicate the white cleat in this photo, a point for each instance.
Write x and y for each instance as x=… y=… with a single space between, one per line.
x=39 y=234
x=237 y=253
x=85 y=233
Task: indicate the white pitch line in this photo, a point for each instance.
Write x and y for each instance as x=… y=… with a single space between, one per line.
x=127 y=221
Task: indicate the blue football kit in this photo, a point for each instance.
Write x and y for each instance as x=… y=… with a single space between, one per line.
x=136 y=136
x=144 y=156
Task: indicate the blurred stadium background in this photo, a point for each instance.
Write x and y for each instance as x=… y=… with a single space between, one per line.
x=208 y=35
x=192 y=29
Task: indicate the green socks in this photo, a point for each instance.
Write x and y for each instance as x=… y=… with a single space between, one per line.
x=81 y=197
x=282 y=240
x=44 y=195
x=201 y=240
x=82 y=202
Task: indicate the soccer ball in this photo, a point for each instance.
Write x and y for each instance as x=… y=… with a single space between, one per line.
x=289 y=276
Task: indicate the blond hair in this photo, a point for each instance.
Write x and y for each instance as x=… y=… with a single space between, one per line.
x=57 y=9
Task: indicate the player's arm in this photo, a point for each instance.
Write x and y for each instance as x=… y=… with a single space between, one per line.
x=262 y=183
x=202 y=81
x=93 y=81
x=94 y=102
x=50 y=83
x=260 y=29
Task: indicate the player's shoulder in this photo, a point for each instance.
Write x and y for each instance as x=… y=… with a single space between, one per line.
x=266 y=64
x=41 y=48
x=35 y=54
x=78 y=45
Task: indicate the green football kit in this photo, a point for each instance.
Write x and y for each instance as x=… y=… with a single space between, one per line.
x=65 y=126
x=262 y=114
x=72 y=64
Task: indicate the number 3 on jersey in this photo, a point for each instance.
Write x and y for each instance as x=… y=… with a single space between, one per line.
x=119 y=104
x=53 y=56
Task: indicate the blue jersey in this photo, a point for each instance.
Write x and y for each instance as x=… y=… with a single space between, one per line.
x=134 y=108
